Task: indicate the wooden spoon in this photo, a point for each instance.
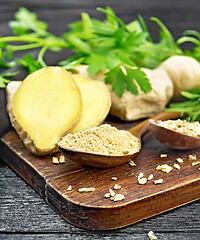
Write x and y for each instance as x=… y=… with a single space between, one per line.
x=172 y=138
x=105 y=161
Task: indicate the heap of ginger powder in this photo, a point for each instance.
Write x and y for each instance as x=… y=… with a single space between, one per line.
x=103 y=140
x=182 y=126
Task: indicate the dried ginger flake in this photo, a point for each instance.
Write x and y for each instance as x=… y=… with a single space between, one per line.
x=90 y=189
x=164 y=168
x=152 y=236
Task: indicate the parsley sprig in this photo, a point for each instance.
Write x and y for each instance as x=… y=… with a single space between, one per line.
x=190 y=106
x=116 y=49
x=29 y=33
x=109 y=46
x=4 y=78
x=193 y=37
x=120 y=49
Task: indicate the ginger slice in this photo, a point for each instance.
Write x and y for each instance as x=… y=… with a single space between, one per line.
x=96 y=102
x=45 y=107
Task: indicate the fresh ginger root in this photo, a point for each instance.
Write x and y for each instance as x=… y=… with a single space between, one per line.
x=132 y=107
x=45 y=106
x=176 y=74
x=48 y=104
x=183 y=71
x=96 y=102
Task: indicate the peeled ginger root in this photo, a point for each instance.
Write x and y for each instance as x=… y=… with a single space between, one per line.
x=131 y=107
x=96 y=102
x=45 y=106
x=184 y=72
x=176 y=74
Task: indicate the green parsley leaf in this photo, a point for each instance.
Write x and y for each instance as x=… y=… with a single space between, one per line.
x=26 y=22
x=4 y=78
x=141 y=78
x=29 y=63
x=3 y=62
x=97 y=62
x=122 y=77
x=115 y=77
x=131 y=86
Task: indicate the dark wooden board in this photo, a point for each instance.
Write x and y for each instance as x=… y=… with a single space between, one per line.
x=92 y=210
x=23 y=214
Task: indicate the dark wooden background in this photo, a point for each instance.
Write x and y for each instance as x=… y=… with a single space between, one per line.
x=23 y=214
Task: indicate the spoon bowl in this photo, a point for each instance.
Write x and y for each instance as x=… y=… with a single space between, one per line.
x=172 y=138
x=96 y=160
x=108 y=161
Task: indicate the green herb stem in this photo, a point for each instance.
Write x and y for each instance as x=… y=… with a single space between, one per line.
x=24 y=47
x=24 y=38
x=40 y=56
x=190 y=106
x=32 y=39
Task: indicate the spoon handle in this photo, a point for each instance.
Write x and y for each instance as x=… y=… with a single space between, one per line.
x=140 y=129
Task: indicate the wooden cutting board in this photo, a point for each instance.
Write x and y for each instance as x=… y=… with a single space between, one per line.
x=91 y=210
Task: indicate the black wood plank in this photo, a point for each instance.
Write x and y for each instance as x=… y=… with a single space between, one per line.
x=22 y=210
x=132 y=236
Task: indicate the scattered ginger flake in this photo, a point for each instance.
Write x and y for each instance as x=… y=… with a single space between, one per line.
x=177 y=166
x=150 y=177
x=69 y=188
x=164 y=168
x=118 y=197
x=195 y=163
x=131 y=163
x=62 y=159
x=107 y=195
x=114 y=178
x=55 y=160
x=142 y=181
x=180 y=160
x=113 y=196
x=158 y=181
x=163 y=155
x=90 y=189
x=112 y=193
x=140 y=175
x=117 y=187
x=152 y=236
x=192 y=157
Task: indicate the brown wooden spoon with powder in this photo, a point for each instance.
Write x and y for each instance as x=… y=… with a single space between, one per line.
x=108 y=161
x=172 y=138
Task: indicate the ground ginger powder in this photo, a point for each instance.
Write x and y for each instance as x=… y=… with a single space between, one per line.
x=104 y=140
x=182 y=126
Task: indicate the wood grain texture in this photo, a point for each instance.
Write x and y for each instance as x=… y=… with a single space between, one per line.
x=92 y=210
x=64 y=236
x=25 y=215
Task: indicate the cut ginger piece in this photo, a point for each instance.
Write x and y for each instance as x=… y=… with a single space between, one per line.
x=96 y=102
x=45 y=107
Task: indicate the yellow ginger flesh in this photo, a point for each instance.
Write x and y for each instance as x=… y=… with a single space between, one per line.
x=46 y=105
